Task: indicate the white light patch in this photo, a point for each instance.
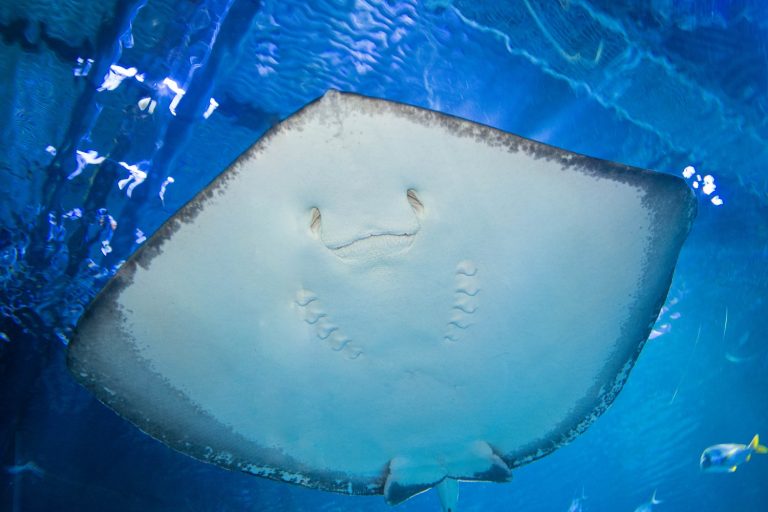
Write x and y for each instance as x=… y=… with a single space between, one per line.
x=164 y=186
x=660 y=331
x=702 y=183
x=709 y=184
x=115 y=77
x=51 y=150
x=140 y=236
x=135 y=179
x=75 y=213
x=83 y=67
x=211 y=107
x=85 y=158
x=144 y=103
x=178 y=91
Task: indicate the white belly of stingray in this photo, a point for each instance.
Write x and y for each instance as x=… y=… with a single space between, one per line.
x=391 y=344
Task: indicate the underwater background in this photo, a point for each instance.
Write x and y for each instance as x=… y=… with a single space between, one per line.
x=114 y=113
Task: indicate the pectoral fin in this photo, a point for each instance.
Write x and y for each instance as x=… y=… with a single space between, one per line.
x=408 y=477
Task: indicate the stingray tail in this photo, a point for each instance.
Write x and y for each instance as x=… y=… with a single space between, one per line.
x=448 y=492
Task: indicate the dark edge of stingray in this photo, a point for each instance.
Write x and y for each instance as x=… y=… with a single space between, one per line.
x=679 y=204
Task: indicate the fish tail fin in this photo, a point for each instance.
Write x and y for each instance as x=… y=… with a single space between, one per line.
x=755 y=445
x=655 y=501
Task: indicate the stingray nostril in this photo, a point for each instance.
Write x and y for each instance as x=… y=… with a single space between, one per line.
x=414 y=200
x=315 y=218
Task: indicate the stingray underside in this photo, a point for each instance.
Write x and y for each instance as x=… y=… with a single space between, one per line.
x=375 y=298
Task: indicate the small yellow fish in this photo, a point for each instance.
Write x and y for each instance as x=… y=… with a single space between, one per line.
x=725 y=458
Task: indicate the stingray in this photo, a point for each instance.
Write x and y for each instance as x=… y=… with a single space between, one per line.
x=381 y=299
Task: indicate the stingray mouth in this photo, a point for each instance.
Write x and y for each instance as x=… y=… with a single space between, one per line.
x=373 y=246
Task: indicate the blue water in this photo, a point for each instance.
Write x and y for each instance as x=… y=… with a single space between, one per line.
x=661 y=84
